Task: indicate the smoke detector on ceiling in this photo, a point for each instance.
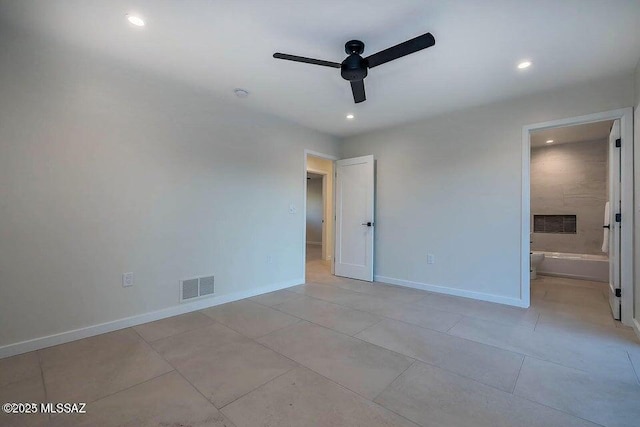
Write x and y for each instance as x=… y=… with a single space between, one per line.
x=241 y=93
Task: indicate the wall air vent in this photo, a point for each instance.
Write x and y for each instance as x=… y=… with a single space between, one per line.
x=197 y=287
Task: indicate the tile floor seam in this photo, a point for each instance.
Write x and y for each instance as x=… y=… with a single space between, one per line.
x=332 y=303
x=409 y=323
x=257 y=387
x=127 y=388
x=367 y=327
x=365 y=341
x=394 y=380
x=513 y=394
x=559 y=410
x=515 y=383
x=332 y=381
x=529 y=355
x=462 y=316
x=279 y=329
x=303 y=319
x=341 y=333
x=183 y=377
x=413 y=360
x=444 y=333
x=177 y=333
x=524 y=354
x=254 y=338
x=537 y=320
x=470 y=316
x=633 y=367
x=44 y=385
x=271 y=306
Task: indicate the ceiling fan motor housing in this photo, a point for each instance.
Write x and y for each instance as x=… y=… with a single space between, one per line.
x=353 y=68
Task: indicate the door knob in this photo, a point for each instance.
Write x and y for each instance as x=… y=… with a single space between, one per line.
x=368 y=224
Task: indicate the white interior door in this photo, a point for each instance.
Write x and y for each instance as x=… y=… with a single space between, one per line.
x=354 y=218
x=614 y=227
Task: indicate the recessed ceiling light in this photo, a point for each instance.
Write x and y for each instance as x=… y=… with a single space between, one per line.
x=135 y=20
x=524 y=64
x=241 y=93
x=549 y=141
x=350 y=116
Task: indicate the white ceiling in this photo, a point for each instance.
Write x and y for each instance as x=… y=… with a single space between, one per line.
x=219 y=45
x=567 y=134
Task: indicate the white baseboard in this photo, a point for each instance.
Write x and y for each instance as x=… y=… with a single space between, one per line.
x=452 y=291
x=314 y=243
x=114 y=325
x=636 y=327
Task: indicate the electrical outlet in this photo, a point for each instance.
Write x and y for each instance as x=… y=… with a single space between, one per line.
x=127 y=280
x=431 y=259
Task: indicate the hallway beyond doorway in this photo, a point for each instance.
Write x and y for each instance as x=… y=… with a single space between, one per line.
x=317 y=268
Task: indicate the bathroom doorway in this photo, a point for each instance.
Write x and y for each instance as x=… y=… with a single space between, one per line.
x=577 y=187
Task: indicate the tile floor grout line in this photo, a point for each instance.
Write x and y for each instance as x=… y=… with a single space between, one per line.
x=462 y=316
x=202 y=394
x=301 y=364
x=449 y=335
x=515 y=383
x=367 y=327
x=44 y=385
x=418 y=306
x=181 y=375
x=129 y=387
x=397 y=320
x=177 y=333
x=324 y=326
x=394 y=380
x=405 y=355
x=332 y=381
x=502 y=391
x=257 y=387
x=559 y=410
x=633 y=366
x=537 y=320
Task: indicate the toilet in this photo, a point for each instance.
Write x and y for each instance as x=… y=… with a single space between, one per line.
x=536 y=259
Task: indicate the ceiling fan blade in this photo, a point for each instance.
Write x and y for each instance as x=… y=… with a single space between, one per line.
x=306 y=60
x=357 y=87
x=398 y=51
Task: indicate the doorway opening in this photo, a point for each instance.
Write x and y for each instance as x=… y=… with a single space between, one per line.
x=319 y=212
x=577 y=189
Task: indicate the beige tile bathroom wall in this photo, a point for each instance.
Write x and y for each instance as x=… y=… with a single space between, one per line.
x=570 y=179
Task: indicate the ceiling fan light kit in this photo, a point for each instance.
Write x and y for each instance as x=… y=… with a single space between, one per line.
x=355 y=68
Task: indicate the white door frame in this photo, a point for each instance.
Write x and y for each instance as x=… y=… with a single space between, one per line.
x=323 y=237
x=626 y=256
x=304 y=213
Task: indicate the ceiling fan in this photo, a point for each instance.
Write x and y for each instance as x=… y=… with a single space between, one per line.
x=355 y=68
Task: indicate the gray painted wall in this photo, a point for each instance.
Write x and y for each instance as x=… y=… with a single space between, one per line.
x=314 y=210
x=570 y=179
x=105 y=169
x=451 y=185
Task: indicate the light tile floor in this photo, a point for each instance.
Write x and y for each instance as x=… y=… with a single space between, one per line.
x=339 y=352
